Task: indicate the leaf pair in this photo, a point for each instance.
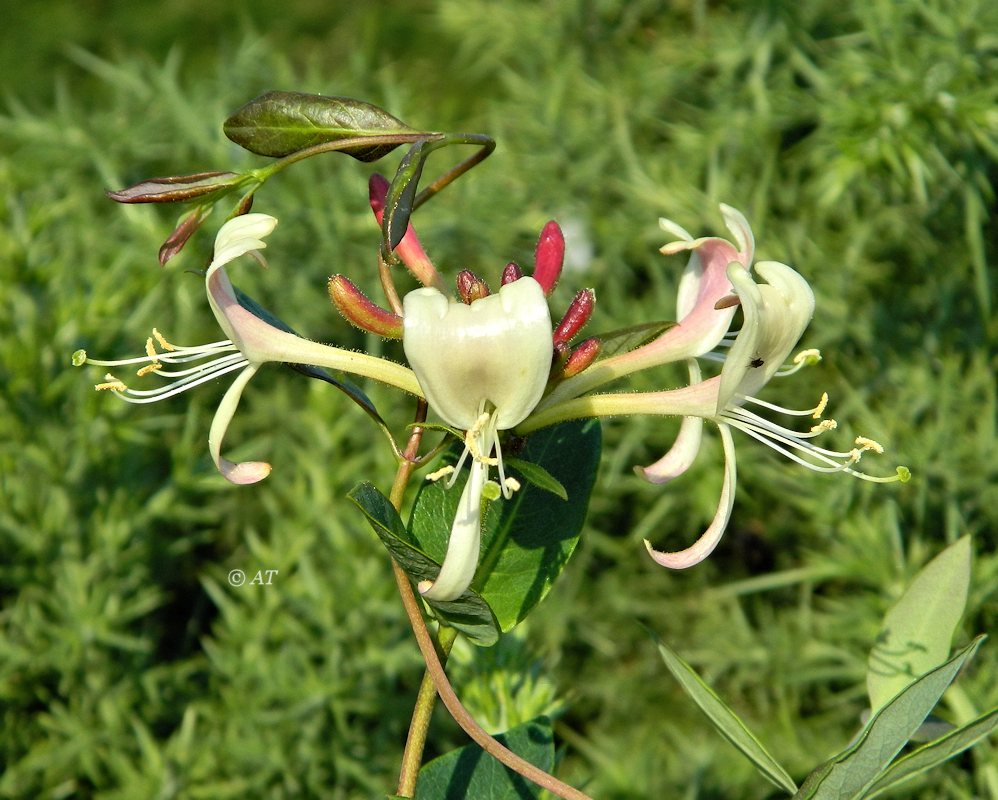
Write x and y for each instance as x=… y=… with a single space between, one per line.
x=909 y=672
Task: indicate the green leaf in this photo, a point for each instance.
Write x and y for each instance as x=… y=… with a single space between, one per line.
x=537 y=476
x=471 y=772
x=917 y=632
x=528 y=539
x=935 y=752
x=725 y=720
x=281 y=123
x=469 y=613
x=179 y=188
x=852 y=772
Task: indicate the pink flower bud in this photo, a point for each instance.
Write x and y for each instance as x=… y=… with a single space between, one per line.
x=409 y=250
x=359 y=311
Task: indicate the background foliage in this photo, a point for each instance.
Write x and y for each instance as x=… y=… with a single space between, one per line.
x=860 y=139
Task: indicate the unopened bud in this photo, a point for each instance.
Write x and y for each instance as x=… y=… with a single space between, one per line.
x=549 y=257
x=577 y=315
x=177 y=188
x=360 y=311
x=511 y=272
x=470 y=287
x=409 y=250
x=189 y=223
x=582 y=357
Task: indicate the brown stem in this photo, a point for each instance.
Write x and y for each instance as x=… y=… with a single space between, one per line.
x=460 y=714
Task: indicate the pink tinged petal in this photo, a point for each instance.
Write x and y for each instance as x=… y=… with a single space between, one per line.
x=549 y=257
x=684 y=450
x=409 y=250
x=704 y=546
x=244 y=472
x=461 y=560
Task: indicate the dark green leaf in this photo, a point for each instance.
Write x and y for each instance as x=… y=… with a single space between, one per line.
x=528 y=539
x=626 y=339
x=281 y=123
x=728 y=724
x=402 y=193
x=471 y=773
x=469 y=613
x=849 y=774
x=935 y=753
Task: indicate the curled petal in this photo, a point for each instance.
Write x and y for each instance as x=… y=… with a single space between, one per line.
x=775 y=315
x=704 y=546
x=244 y=472
x=461 y=560
x=683 y=451
x=239 y=236
x=742 y=232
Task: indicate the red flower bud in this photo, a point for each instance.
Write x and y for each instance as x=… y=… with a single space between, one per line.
x=577 y=315
x=510 y=273
x=549 y=257
x=583 y=355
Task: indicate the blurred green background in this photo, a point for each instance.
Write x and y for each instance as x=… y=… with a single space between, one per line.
x=859 y=138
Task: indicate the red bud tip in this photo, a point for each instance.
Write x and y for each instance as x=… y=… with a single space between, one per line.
x=510 y=273
x=360 y=312
x=377 y=188
x=470 y=287
x=549 y=257
x=582 y=357
x=578 y=314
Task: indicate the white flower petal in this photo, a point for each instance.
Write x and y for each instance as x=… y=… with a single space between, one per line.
x=464 y=544
x=704 y=546
x=247 y=471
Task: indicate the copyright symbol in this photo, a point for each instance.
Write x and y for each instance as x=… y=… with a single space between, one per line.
x=237 y=577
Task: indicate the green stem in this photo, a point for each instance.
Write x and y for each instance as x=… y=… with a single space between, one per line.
x=412 y=757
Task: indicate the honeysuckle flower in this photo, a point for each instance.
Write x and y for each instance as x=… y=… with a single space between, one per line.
x=775 y=313
x=483 y=367
x=251 y=343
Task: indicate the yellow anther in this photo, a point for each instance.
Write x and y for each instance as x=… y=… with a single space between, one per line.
x=820 y=408
x=440 y=473
x=869 y=444
x=512 y=484
x=825 y=425
x=471 y=441
x=143 y=371
x=161 y=341
x=111 y=384
x=151 y=349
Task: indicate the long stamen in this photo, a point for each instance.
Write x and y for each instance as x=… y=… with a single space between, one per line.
x=140 y=396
